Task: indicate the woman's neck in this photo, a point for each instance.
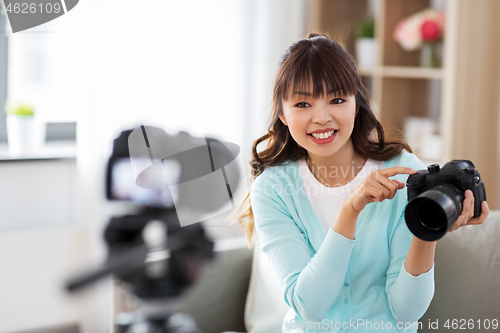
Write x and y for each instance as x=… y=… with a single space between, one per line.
x=338 y=169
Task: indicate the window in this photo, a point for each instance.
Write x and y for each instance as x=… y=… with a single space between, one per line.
x=3 y=74
x=44 y=66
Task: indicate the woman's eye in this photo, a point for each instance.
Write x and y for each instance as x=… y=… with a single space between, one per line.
x=301 y=105
x=338 y=101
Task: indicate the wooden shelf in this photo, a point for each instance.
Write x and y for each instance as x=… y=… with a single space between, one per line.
x=403 y=72
x=462 y=96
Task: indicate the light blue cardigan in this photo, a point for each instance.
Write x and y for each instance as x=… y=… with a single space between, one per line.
x=328 y=280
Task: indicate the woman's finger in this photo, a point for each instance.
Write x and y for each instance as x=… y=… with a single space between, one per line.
x=391 y=185
x=378 y=187
x=468 y=211
x=377 y=190
x=400 y=184
x=389 y=172
x=477 y=220
x=464 y=214
x=457 y=223
x=484 y=214
x=465 y=207
x=471 y=210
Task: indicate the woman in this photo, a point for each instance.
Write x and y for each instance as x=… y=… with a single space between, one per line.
x=325 y=211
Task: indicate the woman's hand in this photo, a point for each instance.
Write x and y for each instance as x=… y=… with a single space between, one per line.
x=376 y=187
x=466 y=217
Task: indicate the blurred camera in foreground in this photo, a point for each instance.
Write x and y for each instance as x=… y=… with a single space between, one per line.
x=174 y=181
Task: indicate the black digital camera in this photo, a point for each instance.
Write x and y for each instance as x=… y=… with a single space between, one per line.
x=435 y=197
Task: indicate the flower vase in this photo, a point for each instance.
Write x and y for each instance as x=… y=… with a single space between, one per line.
x=24 y=133
x=431 y=55
x=366 y=52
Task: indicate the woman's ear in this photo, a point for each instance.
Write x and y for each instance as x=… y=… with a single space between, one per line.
x=283 y=119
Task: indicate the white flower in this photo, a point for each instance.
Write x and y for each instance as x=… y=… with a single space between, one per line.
x=407 y=33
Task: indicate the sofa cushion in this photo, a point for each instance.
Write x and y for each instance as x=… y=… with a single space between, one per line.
x=467 y=277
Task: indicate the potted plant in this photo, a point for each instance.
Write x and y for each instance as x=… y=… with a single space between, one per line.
x=24 y=133
x=366 y=45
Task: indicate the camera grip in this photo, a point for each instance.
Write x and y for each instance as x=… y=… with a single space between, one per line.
x=479 y=193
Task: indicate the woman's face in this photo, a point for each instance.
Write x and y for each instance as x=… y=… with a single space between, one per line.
x=304 y=115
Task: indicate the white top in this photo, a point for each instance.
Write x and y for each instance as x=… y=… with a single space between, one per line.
x=327 y=201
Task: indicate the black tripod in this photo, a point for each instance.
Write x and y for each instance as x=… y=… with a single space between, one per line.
x=155 y=273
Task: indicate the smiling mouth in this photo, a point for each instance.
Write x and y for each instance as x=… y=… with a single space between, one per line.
x=323 y=136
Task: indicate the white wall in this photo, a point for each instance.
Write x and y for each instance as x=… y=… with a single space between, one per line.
x=41 y=244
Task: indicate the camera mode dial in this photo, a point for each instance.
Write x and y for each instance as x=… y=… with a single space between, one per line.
x=433 y=168
x=469 y=170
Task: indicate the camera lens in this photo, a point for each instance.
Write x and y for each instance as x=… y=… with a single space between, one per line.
x=431 y=214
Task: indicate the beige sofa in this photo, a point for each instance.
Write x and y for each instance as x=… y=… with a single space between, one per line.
x=239 y=294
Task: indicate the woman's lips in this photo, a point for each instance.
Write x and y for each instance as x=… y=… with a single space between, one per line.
x=323 y=141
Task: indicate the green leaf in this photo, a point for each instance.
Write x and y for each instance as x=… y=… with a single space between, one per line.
x=20 y=109
x=366 y=28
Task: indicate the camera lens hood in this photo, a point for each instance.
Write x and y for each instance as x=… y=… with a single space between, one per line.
x=431 y=214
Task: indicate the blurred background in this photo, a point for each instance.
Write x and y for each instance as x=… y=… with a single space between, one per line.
x=110 y=65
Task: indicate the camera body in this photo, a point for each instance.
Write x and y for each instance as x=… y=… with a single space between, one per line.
x=436 y=195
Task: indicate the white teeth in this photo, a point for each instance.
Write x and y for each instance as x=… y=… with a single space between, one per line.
x=323 y=136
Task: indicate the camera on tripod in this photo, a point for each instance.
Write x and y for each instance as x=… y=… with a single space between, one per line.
x=176 y=181
x=436 y=195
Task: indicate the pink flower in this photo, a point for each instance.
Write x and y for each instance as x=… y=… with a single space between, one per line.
x=430 y=31
x=406 y=34
x=424 y=26
x=439 y=18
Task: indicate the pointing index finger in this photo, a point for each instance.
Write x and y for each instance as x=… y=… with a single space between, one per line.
x=398 y=170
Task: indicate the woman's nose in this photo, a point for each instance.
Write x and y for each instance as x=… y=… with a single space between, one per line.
x=321 y=114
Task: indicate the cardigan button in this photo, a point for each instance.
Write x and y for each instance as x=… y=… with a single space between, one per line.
x=346 y=284
x=346 y=300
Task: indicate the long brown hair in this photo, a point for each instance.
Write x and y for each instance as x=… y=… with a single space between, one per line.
x=330 y=67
